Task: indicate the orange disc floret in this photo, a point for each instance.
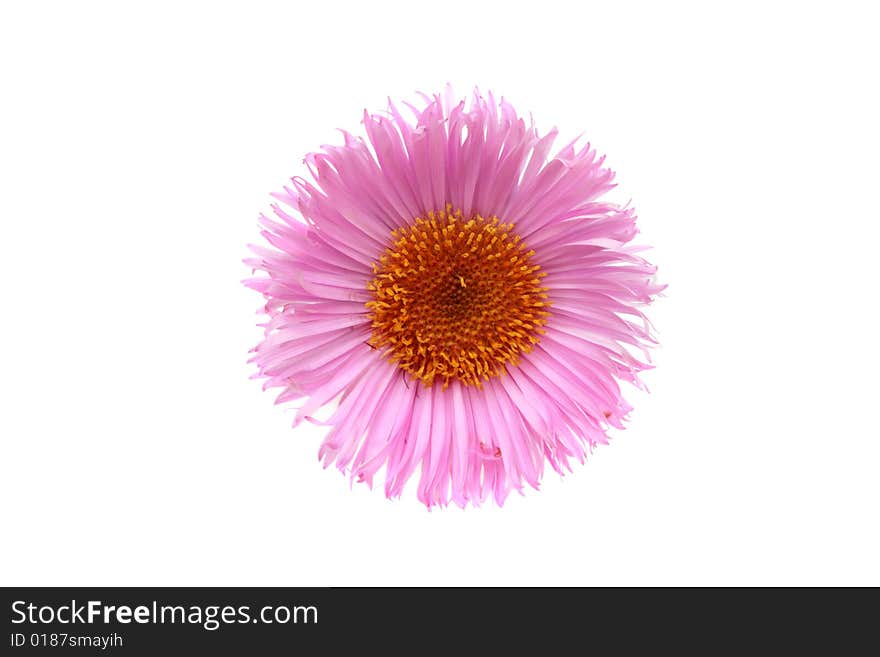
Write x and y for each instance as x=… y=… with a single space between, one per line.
x=456 y=298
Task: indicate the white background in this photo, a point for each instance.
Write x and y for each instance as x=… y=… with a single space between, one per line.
x=139 y=143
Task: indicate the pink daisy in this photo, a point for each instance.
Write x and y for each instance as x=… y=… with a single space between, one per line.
x=463 y=301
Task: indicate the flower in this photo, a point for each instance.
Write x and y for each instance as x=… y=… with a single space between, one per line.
x=466 y=300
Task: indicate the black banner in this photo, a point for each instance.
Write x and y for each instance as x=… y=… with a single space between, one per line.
x=151 y=621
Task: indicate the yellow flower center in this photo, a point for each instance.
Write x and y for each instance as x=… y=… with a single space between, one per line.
x=456 y=298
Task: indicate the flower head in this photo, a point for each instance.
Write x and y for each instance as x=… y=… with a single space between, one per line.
x=463 y=300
